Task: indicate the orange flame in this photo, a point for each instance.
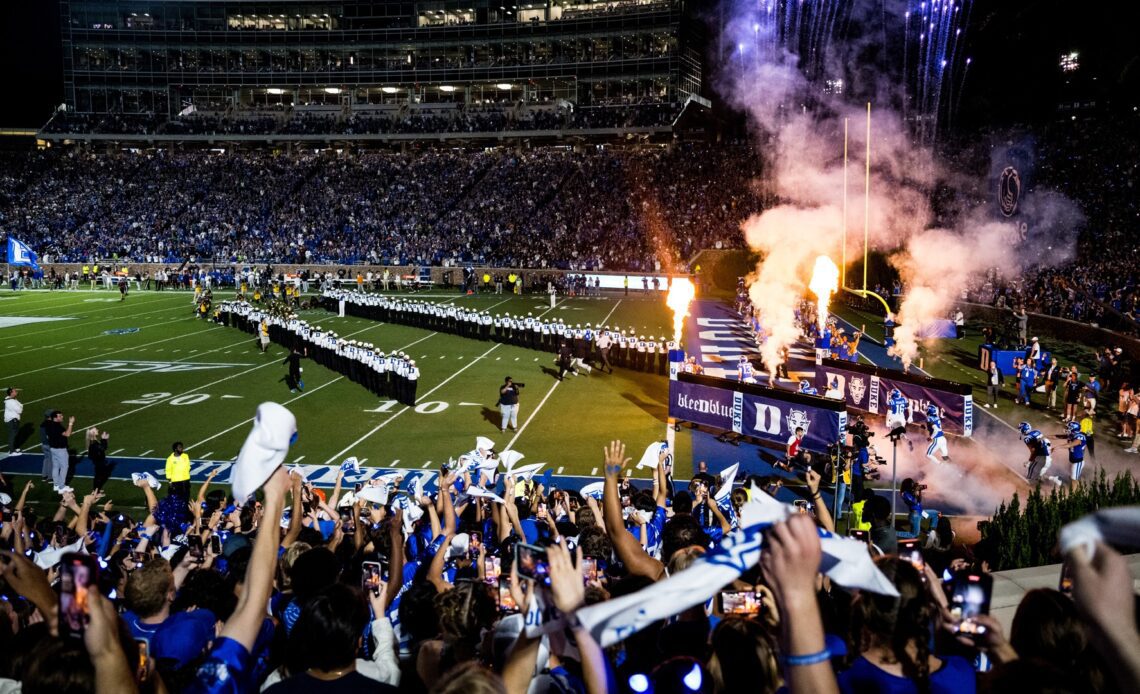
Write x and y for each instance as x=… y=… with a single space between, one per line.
x=824 y=283
x=681 y=293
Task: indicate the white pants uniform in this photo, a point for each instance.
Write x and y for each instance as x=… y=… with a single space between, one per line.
x=937 y=445
x=1037 y=467
x=894 y=421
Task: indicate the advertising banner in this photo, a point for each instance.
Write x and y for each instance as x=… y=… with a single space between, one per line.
x=751 y=410
x=868 y=388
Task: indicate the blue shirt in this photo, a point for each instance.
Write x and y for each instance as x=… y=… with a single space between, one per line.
x=934 y=427
x=956 y=676
x=1077 y=451
x=1037 y=444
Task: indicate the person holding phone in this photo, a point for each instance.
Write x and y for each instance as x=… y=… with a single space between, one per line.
x=892 y=638
x=57 y=436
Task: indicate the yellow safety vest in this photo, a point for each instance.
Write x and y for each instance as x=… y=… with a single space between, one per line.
x=177 y=467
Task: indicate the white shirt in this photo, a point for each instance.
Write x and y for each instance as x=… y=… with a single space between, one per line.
x=13 y=408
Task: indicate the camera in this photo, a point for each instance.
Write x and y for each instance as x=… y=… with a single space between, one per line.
x=519 y=385
x=920 y=487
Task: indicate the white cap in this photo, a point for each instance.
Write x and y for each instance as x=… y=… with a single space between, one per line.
x=264 y=449
x=483 y=443
x=459 y=545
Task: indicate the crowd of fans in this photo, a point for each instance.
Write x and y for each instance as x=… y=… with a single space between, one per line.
x=385 y=584
x=444 y=118
x=550 y=207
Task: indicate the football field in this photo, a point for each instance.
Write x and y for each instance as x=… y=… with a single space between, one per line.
x=148 y=372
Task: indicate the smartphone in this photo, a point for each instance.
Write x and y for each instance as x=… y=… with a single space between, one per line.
x=532 y=563
x=492 y=569
x=593 y=570
x=803 y=505
x=506 y=601
x=144 y=656
x=194 y=542
x=1066 y=583
x=370 y=578
x=970 y=594
x=742 y=602
x=216 y=544
x=914 y=556
x=861 y=535
x=77 y=573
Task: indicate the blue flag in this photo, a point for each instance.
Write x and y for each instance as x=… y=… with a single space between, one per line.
x=19 y=254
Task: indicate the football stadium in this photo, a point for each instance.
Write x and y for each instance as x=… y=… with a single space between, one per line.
x=568 y=346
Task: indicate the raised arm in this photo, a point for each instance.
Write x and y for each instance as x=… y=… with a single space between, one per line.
x=295 y=523
x=245 y=623
x=628 y=549
x=395 y=558
x=821 y=510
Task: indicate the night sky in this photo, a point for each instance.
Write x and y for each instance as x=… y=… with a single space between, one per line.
x=1014 y=78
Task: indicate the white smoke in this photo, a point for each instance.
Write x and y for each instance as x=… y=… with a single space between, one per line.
x=800 y=129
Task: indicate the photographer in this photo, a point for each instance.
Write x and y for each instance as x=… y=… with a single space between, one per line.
x=911 y=493
x=861 y=440
x=509 y=403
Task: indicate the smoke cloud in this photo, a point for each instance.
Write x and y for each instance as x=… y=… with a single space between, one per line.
x=800 y=124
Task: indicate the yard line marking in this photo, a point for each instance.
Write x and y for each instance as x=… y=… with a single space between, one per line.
x=108 y=380
x=176 y=350
x=611 y=312
x=542 y=402
x=206 y=455
x=363 y=461
x=311 y=390
x=18 y=336
x=593 y=472
x=112 y=352
x=385 y=423
x=56 y=305
x=89 y=338
x=247 y=421
x=425 y=465
x=117 y=452
x=146 y=452
x=299 y=459
x=560 y=470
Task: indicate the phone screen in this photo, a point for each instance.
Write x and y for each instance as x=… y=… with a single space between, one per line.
x=144 y=655
x=506 y=601
x=742 y=602
x=969 y=597
x=1066 y=583
x=532 y=563
x=914 y=556
x=861 y=535
x=370 y=578
x=215 y=544
x=492 y=569
x=194 y=542
x=593 y=570
x=77 y=575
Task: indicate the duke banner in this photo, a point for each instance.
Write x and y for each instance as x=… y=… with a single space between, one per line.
x=756 y=411
x=868 y=388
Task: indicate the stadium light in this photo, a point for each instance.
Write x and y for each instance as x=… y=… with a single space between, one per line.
x=332 y=90
x=446 y=88
x=389 y=90
x=503 y=86
x=276 y=91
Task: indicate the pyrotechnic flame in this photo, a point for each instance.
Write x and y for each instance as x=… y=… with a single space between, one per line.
x=824 y=283
x=681 y=294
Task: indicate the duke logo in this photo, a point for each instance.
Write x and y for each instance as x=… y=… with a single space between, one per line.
x=798 y=419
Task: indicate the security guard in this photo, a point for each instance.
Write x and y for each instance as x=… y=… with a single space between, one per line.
x=178 y=471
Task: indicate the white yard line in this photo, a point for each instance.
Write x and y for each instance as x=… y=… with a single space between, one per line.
x=116 y=378
x=116 y=351
x=386 y=422
x=307 y=392
x=531 y=417
x=606 y=319
x=76 y=321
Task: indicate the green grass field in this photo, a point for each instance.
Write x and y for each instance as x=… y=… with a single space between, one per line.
x=177 y=378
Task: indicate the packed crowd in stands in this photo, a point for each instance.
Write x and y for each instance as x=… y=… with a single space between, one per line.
x=442 y=119
x=548 y=207
x=1093 y=162
x=490 y=579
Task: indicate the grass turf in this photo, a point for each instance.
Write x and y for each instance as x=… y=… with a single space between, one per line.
x=149 y=373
